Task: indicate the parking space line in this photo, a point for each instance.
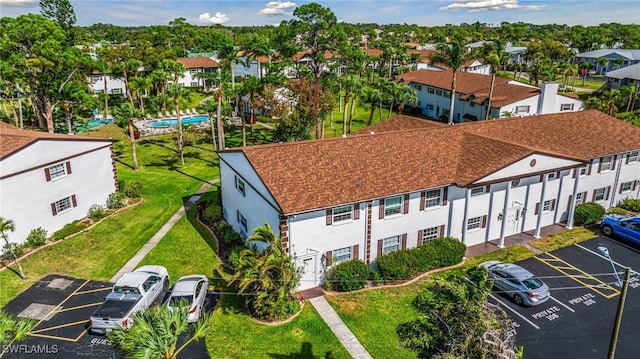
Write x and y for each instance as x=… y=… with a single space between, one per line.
x=60 y=326
x=78 y=307
x=562 y=304
x=514 y=311
x=605 y=258
x=565 y=267
x=53 y=337
x=94 y=290
x=60 y=304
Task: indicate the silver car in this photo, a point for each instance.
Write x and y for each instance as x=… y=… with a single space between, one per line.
x=189 y=291
x=517 y=282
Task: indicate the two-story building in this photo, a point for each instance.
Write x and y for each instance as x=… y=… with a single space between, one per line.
x=408 y=180
x=509 y=98
x=196 y=65
x=48 y=180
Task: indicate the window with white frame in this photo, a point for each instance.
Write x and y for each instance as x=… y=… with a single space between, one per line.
x=547 y=206
x=342 y=254
x=194 y=84
x=240 y=186
x=446 y=93
x=432 y=198
x=430 y=107
x=243 y=222
x=96 y=78
x=474 y=223
x=57 y=171
x=606 y=163
x=419 y=87
x=438 y=92
x=342 y=213
x=583 y=170
x=552 y=176
x=390 y=244
x=626 y=186
x=633 y=157
x=478 y=190
x=63 y=205
x=431 y=90
x=193 y=71
x=429 y=234
x=599 y=194
x=566 y=107
x=579 y=198
x=522 y=109
x=393 y=206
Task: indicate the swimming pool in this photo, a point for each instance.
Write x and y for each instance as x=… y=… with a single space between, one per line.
x=174 y=121
x=91 y=124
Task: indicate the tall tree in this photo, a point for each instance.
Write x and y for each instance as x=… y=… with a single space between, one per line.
x=62 y=13
x=7 y=225
x=494 y=54
x=178 y=93
x=453 y=56
x=127 y=112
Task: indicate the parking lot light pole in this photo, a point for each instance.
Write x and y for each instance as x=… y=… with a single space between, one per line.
x=605 y=252
x=616 y=326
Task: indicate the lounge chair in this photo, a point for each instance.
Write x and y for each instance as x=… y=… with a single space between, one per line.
x=173 y=112
x=194 y=111
x=160 y=115
x=167 y=113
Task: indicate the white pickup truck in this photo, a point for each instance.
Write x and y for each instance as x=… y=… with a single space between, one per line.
x=133 y=292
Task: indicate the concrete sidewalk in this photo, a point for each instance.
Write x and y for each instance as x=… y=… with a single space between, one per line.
x=338 y=327
x=146 y=248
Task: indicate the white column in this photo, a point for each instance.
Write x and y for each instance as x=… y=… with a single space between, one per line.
x=572 y=206
x=505 y=207
x=540 y=206
x=467 y=199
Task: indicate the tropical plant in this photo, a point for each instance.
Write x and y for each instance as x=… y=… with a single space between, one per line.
x=126 y=113
x=494 y=54
x=266 y=275
x=160 y=332
x=7 y=225
x=37 y=237
x=602 y=63
x=453 y=56
x=13 y=330
x=178 y=93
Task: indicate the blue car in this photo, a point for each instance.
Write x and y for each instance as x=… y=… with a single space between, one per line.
x=621 y=226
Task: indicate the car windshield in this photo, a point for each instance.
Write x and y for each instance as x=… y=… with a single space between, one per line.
x=532 y=283
x=181 y=301
x=126 y=290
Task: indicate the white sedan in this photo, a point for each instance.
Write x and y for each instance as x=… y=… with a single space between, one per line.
x=189 y=292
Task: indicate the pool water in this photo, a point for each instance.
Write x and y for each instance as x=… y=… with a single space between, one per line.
x=174 y=121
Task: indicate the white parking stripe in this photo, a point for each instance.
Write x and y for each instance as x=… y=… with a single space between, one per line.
x=603 y=257
x=562 y=304
x=514 y=311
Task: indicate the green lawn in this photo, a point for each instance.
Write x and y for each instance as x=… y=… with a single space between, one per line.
x=360 y=119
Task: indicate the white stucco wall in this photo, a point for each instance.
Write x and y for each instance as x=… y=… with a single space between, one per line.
x=113 y=83
x=27 y=197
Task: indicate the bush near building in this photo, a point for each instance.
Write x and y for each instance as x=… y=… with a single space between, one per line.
x=588 y=213
x=347 y=276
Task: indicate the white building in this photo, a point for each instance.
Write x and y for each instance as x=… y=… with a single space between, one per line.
x=194 y=66
x=107 y=83
x=410 y=180
x=616 y=59
x=49 y=180
x=472 y=93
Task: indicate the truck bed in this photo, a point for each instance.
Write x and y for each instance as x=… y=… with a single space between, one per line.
x=111 y=308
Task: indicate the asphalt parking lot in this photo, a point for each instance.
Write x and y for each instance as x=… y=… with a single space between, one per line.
x=61 y=307
x=578 y=320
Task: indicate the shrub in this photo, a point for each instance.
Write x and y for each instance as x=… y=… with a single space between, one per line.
x=37 y=237
x=407 y=263
x=121 y=185
x=631 y=204
x=97 y=212
x=134 y=189
x=6 y=250
x=69 y=229
x=617 y=210
x=347 y=276
x=115 y=200
x=212 y=213
x=588 y=213
x=230 y=237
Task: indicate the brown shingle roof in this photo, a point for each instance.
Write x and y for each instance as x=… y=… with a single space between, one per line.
x=197 y=62
x=318 y=174
x=399 y=123
x=12 y=139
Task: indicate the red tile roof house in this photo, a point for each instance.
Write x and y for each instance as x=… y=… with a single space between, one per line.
x=406 y=181
x=49 y=180
x=472 y=93
x=195 y=65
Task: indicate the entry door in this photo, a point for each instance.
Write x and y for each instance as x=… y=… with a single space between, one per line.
x=513 y=218
x=309 y=271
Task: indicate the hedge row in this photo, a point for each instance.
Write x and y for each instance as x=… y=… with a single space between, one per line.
x=407 y=263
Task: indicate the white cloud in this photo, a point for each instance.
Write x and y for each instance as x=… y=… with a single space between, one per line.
x=218 y=18
x=277 y=8
x=19 y=3
x=484 y=5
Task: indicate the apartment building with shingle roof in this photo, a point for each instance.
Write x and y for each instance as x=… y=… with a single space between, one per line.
x=406 y=181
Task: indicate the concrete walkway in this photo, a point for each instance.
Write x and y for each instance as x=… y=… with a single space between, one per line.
x=338 y=327
x=146 y=248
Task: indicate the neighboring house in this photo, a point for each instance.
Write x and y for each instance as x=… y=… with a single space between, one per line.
x=424 y=63
x=616 y=59
x=49 y=180
x=369 y=194
x=518 y=53
x=257 y=67
x=194 y=66
x=107 y=83
x=626 y=76
x=472 y=90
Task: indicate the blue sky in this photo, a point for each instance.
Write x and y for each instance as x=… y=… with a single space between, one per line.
x=420 y=12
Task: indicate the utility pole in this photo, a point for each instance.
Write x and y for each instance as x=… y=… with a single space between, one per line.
x=616 y=326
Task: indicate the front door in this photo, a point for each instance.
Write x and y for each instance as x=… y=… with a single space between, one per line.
x=309 y=271
x=513 y=219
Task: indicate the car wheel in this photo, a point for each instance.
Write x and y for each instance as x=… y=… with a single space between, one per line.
x=518 y=299
x=165 y=285
x=607 y=231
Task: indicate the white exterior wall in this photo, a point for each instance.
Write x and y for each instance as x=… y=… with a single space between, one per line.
x=27 y=196
x=114 y=85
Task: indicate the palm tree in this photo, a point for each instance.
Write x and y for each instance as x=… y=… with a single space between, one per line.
x=210 y=108
x=13 y=330
x=7 y=225
x=372 y=96
x=603 y=62
x=156 y=331
x=127 y=112
x=269 y=275
x=584 y=67
x=495 y=54
x=406 y=95
x=178 y=93
x=454 y=56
